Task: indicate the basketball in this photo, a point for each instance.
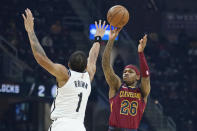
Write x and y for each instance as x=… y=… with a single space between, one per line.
x=118 y=16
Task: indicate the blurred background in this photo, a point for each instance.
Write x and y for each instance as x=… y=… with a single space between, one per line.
x=63 y=26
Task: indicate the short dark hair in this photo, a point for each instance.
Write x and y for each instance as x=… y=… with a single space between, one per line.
x=78 y=61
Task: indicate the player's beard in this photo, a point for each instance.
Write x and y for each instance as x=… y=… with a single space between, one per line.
x=129 y=83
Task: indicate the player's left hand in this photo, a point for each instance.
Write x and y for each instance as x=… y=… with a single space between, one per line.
x=142 y=44
x=100 y=30
x=28 y=20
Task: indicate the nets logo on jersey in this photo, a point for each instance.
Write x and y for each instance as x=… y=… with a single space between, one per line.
x=81 y=84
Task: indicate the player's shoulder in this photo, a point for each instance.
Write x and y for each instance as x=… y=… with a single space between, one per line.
x=80 y=75
x=61 y=66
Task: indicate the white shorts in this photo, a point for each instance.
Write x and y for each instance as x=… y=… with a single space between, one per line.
x=64 y=124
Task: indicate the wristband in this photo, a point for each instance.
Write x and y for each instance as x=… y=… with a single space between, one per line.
x=97 y=39
x=144 y=69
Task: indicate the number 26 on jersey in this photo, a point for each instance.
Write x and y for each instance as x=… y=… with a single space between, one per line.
x=129 y=108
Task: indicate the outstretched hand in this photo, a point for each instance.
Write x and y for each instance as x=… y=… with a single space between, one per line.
x=114 y=33
x=28 y=20
x=100 y=30
x=142 y=44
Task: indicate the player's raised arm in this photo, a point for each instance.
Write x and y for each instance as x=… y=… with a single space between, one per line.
x=94 y=51
x=112 y=79
x=144 y=69
x=58 y=70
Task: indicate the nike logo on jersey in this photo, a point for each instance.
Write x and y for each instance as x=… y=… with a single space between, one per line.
x=81 y=84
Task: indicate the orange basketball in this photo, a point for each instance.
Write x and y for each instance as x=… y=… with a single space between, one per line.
x=118 y=16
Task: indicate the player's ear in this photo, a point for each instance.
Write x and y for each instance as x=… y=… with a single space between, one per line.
x=138 y=77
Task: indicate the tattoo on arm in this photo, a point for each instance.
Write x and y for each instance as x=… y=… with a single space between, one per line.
x=112 y=79
x=35 y=45
x=57 y=70
x=106 y=55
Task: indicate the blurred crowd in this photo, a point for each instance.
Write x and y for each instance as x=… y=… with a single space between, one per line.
x=172 y=58
x=50 y=28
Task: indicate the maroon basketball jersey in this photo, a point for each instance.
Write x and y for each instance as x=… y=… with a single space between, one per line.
x=127 y=108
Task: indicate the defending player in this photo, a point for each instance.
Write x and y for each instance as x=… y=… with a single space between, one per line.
x=127 y=99
x=68 y=109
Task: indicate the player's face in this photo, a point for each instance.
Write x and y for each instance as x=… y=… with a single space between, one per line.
x=129 y=75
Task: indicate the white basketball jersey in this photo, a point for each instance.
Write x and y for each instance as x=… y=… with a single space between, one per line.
x=71 y=99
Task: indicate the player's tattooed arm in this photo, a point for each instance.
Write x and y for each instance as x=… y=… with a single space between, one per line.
x=35 y=45
x=58 y=70
x=112 y=79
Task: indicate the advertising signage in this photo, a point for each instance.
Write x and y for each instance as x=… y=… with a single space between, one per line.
x=28 y=90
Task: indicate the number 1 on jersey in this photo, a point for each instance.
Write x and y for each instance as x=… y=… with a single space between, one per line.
x=79 y=103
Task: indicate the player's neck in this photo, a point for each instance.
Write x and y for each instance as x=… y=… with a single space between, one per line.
x=132 y=84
